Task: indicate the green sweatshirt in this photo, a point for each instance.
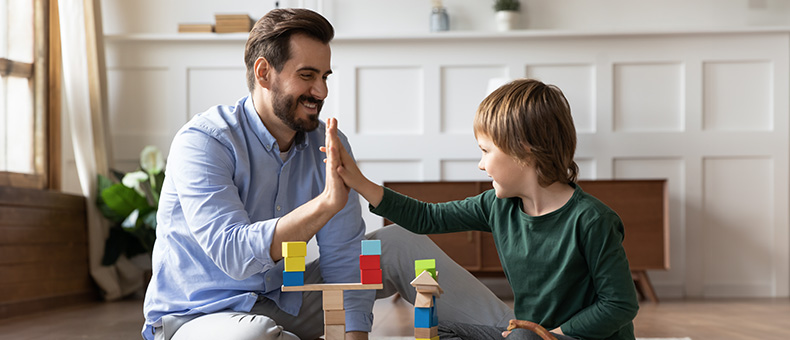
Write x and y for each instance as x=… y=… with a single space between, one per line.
x=567 y=268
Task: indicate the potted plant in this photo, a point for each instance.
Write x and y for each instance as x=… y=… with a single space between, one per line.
x=131 y=207
x=507 y=14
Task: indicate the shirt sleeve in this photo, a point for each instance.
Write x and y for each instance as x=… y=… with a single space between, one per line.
x=616 y=304
x=339 y=244
x=202 y=167
x=434 y=218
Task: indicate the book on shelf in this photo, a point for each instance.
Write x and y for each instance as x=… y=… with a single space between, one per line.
x=195 y=28
x=230 y=23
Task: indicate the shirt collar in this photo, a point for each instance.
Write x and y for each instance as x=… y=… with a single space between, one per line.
x=263 y=134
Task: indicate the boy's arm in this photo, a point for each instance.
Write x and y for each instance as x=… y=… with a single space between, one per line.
x=617 y=303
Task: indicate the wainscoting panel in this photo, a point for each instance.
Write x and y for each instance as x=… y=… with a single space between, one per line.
x=734 y=88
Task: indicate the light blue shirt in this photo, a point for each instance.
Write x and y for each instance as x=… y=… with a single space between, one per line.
x=225 y=189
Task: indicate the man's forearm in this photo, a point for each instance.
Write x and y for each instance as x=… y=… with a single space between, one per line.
x=301 y=224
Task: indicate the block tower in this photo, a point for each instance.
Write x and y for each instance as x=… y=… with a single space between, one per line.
x=426 y=320
x=294 y=254
x=370 y=262
x=332 y=293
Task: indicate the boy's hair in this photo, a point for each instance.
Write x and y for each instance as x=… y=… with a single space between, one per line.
x=270 y=38
x=531 y=122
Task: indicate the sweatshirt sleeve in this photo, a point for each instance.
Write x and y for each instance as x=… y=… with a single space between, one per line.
x=434 y=218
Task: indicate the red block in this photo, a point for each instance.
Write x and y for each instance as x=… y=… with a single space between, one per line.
x=370 y=276
x=369 y=261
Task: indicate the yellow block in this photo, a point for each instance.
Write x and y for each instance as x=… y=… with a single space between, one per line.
x=294 y=264
x=294 y=249
x=433 y=338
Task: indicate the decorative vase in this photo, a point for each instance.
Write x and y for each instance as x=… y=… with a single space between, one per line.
x=439 y=20
x=507 y=20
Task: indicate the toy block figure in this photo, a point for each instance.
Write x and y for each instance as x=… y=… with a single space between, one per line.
x=426 y=320
x=294 y=257
x=421 y=265
x=370 y=262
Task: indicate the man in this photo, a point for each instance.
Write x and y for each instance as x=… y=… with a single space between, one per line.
x=242 y=179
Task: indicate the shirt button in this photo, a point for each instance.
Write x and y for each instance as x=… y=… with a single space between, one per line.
x=279 y=208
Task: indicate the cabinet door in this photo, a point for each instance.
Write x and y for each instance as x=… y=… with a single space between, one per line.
x=462 y=247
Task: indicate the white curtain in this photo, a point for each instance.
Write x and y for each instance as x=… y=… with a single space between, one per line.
x=85 y=101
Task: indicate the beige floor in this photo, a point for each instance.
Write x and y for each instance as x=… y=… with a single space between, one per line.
x=698 y=319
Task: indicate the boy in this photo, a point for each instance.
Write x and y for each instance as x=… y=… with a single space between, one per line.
x=561 y=249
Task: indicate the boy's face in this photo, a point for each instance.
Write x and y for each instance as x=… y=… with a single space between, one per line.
x=299 y=90
x=508 y=175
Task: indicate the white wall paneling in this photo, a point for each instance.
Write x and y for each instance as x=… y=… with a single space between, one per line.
x=708 y=110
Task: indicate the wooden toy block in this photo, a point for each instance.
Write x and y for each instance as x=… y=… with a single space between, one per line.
x=333 y=300
x=422 y=317
x=369 y=261
x=371 y=247
x=432 y=338
x=434 y=317
x=370 y=276
x=422 y=265
x=334 y=332
x=294 y=264
x=334 y=317
x=424 y=283
x=294 y=249
x=424 y=300
x=293 y=278
x=333 y=286
x=426 y=333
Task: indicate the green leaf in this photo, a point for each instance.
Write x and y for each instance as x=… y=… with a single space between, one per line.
x=123 y=200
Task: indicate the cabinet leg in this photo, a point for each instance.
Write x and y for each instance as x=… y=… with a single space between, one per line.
x=643 y=285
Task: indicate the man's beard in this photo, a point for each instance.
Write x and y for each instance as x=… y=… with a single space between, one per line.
x=284 y=108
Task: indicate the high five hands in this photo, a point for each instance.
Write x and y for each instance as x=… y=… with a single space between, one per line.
x=341 y=166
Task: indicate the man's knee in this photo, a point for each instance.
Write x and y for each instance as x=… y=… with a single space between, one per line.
x=523 y=334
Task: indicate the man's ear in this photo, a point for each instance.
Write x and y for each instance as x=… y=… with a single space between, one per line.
x=263 y=72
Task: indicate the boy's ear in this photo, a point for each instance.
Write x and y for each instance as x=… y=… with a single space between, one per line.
x=263 y=72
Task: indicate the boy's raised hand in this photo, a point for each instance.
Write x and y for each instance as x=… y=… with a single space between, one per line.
x=348 y=169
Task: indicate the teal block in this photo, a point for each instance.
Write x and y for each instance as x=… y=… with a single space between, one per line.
x=371 y=247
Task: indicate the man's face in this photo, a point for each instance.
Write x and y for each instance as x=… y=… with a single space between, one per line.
x=299 y=90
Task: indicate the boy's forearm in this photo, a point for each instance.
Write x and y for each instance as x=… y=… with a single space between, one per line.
x=372 y=192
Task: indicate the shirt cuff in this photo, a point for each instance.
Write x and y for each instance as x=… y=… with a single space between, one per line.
x=359 y=321
x=263 y=254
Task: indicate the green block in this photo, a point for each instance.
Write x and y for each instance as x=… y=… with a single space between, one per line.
x=423 y=265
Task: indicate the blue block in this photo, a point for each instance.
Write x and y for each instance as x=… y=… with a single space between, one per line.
x=423 y=317
x=371 y=247
x=434 y=314
x=293 y=278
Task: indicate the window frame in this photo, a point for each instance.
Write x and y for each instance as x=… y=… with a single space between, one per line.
x=45 y=72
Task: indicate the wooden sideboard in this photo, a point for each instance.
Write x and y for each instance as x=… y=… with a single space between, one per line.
x=643 y=205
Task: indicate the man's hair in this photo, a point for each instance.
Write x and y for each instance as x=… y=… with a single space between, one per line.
x=270 y=38
x=531 y=122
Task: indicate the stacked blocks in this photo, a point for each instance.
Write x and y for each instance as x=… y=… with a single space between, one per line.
x=426 y=320
x=294 y=254
x=370 y=262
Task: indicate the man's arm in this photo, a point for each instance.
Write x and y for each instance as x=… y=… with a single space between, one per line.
x=304 y=222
